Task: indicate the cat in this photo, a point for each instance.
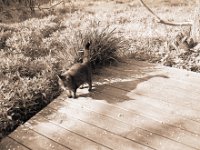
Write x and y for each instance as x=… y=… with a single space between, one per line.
x=77 y=75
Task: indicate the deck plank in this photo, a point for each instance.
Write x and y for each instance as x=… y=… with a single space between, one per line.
x=33 y=140
x=169 y=108
x=135 y=119
x=135 y=102
x=183 y=81
x=98 y=135
x=161 y=78
x=90 y=114
x=182 y=106
x=158 y=85
x=10 y=144
x=139 y=70
x=135 y=105
x=59 y=134
x=175 y=73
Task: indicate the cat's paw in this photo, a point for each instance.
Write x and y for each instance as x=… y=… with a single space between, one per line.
x=69 y=96
x=81 y=87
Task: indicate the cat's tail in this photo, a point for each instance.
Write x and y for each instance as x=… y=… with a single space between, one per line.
x=86 y=55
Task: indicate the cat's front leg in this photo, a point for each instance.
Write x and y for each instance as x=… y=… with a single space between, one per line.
x=74 y=92
x=69 y=94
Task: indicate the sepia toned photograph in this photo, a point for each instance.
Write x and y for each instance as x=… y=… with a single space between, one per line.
x=99 y=74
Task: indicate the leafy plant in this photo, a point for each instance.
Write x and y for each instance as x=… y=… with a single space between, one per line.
x=106 y=45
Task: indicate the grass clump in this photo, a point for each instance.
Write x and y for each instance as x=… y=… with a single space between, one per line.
x=106 y=45
x=28 y=80
x=26 y=87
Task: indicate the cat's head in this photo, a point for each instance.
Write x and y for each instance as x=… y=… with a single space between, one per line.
x=65 y=78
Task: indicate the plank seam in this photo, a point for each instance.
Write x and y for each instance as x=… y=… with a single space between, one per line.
x=70 y=130
x=19 y=142
x=125 y=123
x=107 y=130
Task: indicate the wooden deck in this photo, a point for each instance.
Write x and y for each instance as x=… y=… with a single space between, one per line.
x=135 y=105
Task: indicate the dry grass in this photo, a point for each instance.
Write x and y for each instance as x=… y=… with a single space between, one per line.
x=34 y=51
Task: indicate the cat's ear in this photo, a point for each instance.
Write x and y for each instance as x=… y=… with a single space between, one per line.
x=64 y=73
x=65 y=76
x=61 y=76
x=60 y=83
x=87 y=46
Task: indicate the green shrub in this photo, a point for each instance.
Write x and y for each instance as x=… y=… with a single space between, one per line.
x=106 y=46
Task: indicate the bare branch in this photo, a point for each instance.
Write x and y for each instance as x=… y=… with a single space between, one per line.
x=164 y=21
x=56 y=4
x=49 y=8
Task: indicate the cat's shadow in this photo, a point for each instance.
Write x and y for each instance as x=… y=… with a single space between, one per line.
x=117 y=91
